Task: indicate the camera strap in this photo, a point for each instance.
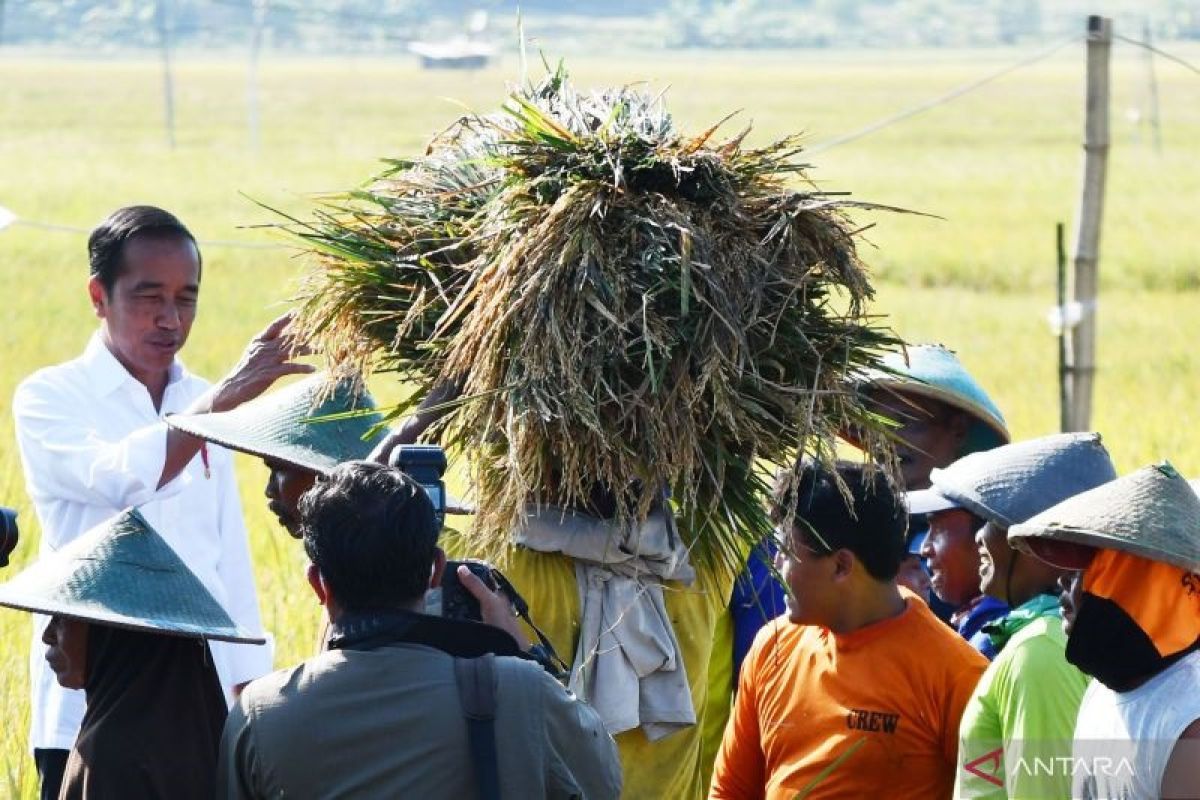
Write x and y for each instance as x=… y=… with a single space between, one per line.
x=543 y=652
x=476 y=679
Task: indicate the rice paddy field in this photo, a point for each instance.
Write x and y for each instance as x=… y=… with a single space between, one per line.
x=998 y=168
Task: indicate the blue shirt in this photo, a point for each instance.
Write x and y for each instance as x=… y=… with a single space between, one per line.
x=970 y=626
x=757 y=598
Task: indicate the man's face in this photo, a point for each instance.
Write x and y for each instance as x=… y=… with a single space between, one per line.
x=952 y=555
x=66 y=650
x=149 y=312
x=994 y=558
x=1070 y=586
x=912 y=576
x=931 y=434
x=286 y=484
x=807 y=577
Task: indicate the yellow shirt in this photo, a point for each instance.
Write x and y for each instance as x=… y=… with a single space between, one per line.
x=673 y=767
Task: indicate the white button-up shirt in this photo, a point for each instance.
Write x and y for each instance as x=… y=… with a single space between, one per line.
x=92 y=445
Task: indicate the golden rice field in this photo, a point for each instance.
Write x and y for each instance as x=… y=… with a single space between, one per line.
x=999 y=167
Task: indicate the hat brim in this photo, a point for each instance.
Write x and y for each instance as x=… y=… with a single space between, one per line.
x=212 y=429
x=100 y=616
x=929 y=501
x=990 y=431
x=1022 y=538
x=1056 y=553
x=203 y=426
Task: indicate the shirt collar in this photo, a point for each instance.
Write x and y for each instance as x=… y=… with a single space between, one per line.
x=107 y=373
x=1001 y=629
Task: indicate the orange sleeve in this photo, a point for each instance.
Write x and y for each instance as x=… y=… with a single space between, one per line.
x=963 y=675
x=739 y=773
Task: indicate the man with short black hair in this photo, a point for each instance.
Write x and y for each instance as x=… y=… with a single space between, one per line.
x=859 y=690
x=950 y=551
x=391 y=694
x=93 y=441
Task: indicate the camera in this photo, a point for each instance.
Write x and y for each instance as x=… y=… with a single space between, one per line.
x=425 y=464
x=458 y=603
x=8 y=534
x=453 y=601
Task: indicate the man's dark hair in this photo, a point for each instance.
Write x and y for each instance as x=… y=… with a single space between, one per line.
x=372 y=532
x=872 y=525
x=106 y=245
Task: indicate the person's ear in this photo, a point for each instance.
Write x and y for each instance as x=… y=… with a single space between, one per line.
x=317 y=582
x=439 y=567
x=98 y=296
x=843 y=564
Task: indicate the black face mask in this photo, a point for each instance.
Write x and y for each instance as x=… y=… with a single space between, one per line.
x=1107 y=644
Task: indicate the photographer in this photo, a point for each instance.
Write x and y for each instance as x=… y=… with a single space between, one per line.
x=390 y=695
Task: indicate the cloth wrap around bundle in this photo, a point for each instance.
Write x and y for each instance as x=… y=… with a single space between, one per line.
x=627 y=664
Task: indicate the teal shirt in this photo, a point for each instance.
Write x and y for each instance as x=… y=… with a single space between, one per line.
x=1021 y=718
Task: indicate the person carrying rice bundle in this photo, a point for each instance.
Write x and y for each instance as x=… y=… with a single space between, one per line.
x=627 y=331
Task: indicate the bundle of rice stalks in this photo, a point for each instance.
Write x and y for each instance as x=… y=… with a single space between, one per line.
x=620 y=305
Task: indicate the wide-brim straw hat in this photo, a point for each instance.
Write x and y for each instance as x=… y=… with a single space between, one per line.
x=1151 y=513
x=934 y=371
x=1010 y=484
x=122 y=573
x=308 y=424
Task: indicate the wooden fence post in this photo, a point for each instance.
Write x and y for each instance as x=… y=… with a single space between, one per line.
x=1064 y=372
x=1151 y=87
x=1087 y=233
x=164 y=40
x=259 y=21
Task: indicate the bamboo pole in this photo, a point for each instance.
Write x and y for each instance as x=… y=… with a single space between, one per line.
x=1064 y=394
x=1087 y=233
x=1151 y=87
x=164 y=40
x=259 y=13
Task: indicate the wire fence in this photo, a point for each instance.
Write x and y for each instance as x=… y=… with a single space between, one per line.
x=11 y=217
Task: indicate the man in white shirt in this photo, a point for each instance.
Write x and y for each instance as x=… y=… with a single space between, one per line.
x=93 y=442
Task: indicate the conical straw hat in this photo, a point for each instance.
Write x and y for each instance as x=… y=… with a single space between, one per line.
x=934 y=371
x=1010 y=484
x=288 y=425
x=122 y=573
x=1151 y=513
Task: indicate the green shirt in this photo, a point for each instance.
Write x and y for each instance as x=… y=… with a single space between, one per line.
x=1016 y=732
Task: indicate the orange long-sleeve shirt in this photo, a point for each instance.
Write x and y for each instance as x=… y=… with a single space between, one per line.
x=871 y=713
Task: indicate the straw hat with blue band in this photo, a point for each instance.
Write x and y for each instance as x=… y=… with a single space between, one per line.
x=1152 y=513
x=122 y=573
x=934 y=371
x=310 y=424
x=1008 y=485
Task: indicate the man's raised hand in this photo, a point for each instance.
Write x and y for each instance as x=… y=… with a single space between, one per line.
x=268 y=357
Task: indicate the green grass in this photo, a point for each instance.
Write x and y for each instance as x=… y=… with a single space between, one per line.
x=1001 y=166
